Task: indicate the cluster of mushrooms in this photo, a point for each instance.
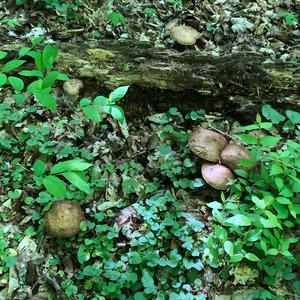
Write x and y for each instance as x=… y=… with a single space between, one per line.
x=221 y=158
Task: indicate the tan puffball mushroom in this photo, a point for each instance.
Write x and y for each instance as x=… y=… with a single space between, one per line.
x=216 y=175
x=63 y=219
x=184 y=35
x=207 y=144
x=72 y=87
x=232 y=154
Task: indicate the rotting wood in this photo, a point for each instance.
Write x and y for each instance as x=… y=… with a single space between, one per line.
x=245 y=80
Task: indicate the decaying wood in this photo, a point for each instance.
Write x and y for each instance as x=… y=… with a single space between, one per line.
x=244 y=80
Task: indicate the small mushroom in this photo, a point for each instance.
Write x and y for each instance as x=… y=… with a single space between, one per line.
x=63 y=219
x=231 y=156
x=184 y=35
x=72 y=87
x=207 y=144
x=216 y=175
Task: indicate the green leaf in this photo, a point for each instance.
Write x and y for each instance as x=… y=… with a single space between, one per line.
x=238 y=220
x=135 y=258
x=101 y=100
x=13 y=64
x=92 y=113
x=78 y=180
x=84 y=102
x=31 y=73
x=23 y=51
x=2 y=54
x=118 y=93
x=117 y=113
x=236 y=258
x=148 y=283
x=36 y=41
x=19 y=98
x=271 y=114
x=76 y=164
x=229 y=248
x=49 y=55
x=269 y=140
x=55 y=186
x=272 y=251
x=3 y=79
x=276 y=169
x=251 y=257
x=294 y=116
x=37 y=56
x=46 y=99
x=248 y=139
x=16 y=83
x=39 y=168
x=258 y=202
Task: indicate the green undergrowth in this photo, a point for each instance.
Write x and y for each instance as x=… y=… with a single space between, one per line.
x=153 y=228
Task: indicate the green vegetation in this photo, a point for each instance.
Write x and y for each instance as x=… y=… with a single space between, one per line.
x=150 y=230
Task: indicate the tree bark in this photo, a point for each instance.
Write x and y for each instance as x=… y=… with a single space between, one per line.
x=243 y=80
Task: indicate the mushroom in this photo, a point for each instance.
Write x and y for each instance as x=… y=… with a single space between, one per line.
x=72 y=87
x=207 y=144
x=216 y=175
x=63 y=219
x=231 y=156
x=184 y=35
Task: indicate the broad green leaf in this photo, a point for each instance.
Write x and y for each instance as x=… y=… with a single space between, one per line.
x=294 y=116
x=272 y=251
x=78 y=180
x=52 y=77
x=46 y=99
x=248 y=139
x=2 y=54
x=31 y=73
x=76 y=164
x=236 y=258
x=37 y=56
x=238 y=220
x=92 y=113
x=271 y=114
x=39 y=168
x=36 y=41
x=266 y=125
x=35 y=86
x=276 y=169
x=49 y=55
x=84 y=102
x=16 y=83
x=229 y=248
x=118 y=93
x=269 y=140
x=258 y=202
x=250 y=127
x=253 y=235
x=283 y=200
x=13 y=64
x=101 y=100
x=3 y=79
x=55 y=186
x=117 y=113
x=23 y=51
x=251 y=257
x=19 y=98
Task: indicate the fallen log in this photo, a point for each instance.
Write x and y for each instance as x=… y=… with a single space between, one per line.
x=242 y=81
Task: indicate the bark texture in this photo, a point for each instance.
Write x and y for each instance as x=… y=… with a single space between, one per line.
x=243 y=81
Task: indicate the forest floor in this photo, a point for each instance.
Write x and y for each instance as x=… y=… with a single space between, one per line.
x=153 y=228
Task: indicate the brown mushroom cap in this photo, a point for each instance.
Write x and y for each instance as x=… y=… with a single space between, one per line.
x=207 y=144
x=184 y=35
x=232 y=154
x=63 y=219
x=216 y=175
x=72 y=86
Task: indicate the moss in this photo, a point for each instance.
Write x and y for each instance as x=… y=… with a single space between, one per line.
x=100 y=54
